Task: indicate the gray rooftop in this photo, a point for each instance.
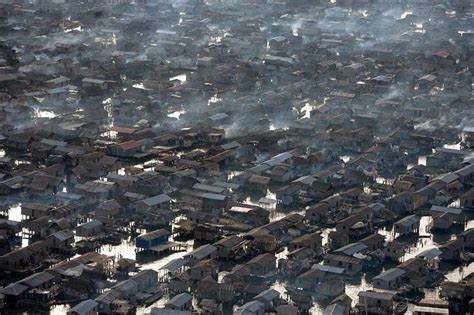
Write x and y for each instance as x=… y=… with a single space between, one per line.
x=390 y=274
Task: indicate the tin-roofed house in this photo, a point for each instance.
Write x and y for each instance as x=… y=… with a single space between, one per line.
x=466 y=174
x=90 y=83
x=351 y=265
x=248 y=213
x=395 y=250
x=203 y=269
x=23 y=259
x=89 y=229
x=214 y=203
x=209 y=288
x=467 y=199
x=203 y=252
x=61 y=241
x=152 y=239
x=262 y=264
x=35 y=210
x=146 y=279
x=467 y=238
x=312 y=241
x=251 y=308
x=87 y=307
x=154 y=211
x=229 y=246
x=309 y=280
x=445 y=217
x=126 y=149
x=156 y=310
x=39 y=226
x=375 y=302
x=268 y=297
x=108 y=212
x=127 y=288
x=317 y=212
x=13 y=293
x=105 y=301
x=336 y=309
x=258 y=183
x=158 y=202
x=43 y=289
x=322 y=279
x=390 y=279
x=407 y=225
x=422 y=310
x=180 y=302
x=468 y=136
x=452 y=250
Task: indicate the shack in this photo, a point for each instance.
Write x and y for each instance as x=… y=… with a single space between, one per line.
x=152 y=239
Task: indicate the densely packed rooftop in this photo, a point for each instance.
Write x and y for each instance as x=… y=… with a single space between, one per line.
x=236 y=157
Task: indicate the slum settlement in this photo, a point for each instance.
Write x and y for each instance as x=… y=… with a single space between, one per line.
x=236 y=157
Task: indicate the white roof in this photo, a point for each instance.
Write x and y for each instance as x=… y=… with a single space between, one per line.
x=307 y=180
x=241 y=209
x=430 y=253
x=218 y=116
x=279 y=158
x=468 y=129
x=428 y=77
x=259 y=168
x=278 y=58
x=278 y=38
x=267 y=200
x=67 y=195
x=60 y=79
x=355 y=66
x=382 y=78
x=352 y=248
x=202 y=251
x=71 y=125
x=94 y=81
x=430 y=310
x=326 y=268
x=175 y=264
x=390 y=274
x=166 y=32
x=408 y=220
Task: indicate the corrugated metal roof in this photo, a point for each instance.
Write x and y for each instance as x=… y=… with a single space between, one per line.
x=84 y=307
x=390 y=274
x=180 y=299
x=156 y=200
